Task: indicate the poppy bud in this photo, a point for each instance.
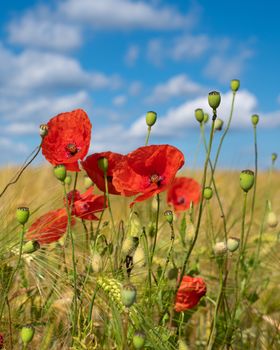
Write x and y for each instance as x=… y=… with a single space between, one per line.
x=207 y=193
x=138 y=340
x=255 y=119
x=272 y=219
x=235 y=84
x=206 y=118
x=128 y=294
x=172 y=274
x=68 y=180
x=1 y=341
x=233 y=244
x=43 y=130
x=129 y=245
x=60 y=172
x=139 y=257
x=220 y=248
x=30 y=247
x=96 y=262
x=151 y=118
x=247 y=179
x=103 y=164
x=218 y=124
x=274 y=157
x=168 y=216
x=214 y=99
x=199 y=115
x=87 y=182
x=27 y=333
x=22 y=215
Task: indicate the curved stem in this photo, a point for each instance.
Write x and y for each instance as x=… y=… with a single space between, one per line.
x=156 y=233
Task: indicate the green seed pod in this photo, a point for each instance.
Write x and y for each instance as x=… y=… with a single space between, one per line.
x=235 y=84
x=233 y=244
x=87 y=182
x=60 y=172
x=220 y=248
x=43 y=130
x=22 y=215
x=199 y=115
x=168 y=216
x=27 y=333
x=182 y=345
x=30 y=247
x=172 y=273
x=214 y=99
x=247 y=179
x=128 y=294
x=103 y=164
x=68 y=180
x=138 y=340
x=218 y=124
x=206 y=118
x=255 y=119
x=272 y=219
x=151 y=118
x=207 y=193
x=273 y=157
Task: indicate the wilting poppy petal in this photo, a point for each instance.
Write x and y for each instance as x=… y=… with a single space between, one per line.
x=191 y=290
x=182 y=192
x=50 y=227
x=68 y=139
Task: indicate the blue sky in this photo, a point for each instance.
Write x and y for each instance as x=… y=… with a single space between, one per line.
x=118 y=59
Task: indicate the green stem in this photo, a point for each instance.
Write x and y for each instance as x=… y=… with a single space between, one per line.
x=156 y=233
x=148 y=135
x=172 y=238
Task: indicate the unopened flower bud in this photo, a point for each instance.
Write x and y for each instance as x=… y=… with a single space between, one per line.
x=218 y=124
x=233 y=244
x=207 y=193
x=68 y=180
x=139 y=257
x=43 y=130
x=247 y=179
x=151 y=118
x=272 y=219
x=255 y=119
x=30 y=247
x=96 y=262
x=168 y=216
x=235 y=84
x=220 y=248
x=27 y=333
x=172 y=273
x=205 y=118
x=138 y=340
x=87 y=182
x=103 y=164
x=214 y=99
x=60 y=172
x=128 y=294
x=273 y=157
x=22 y=215
x=199 y=115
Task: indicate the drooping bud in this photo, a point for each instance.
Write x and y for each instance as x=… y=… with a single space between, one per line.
x=207 y=193
x=96 y=262
x=218 y=124
x=128 y=294
x=87 y=182
x=233 y=244
x=139 y=257
x=214 y=99
x=273 y=157
x=43 y=130
x=151 y=118
x=206 y=118
x=103 y=164
x=235 y=84
x=22 y=215
x=247 y=179
x=26 y=334
x=255 y=119
x=272 y=219
x=60 y=172
x=199 y=115
x=220 y=248
x=68 y=180
x=138 y=340
x=168 y=216
x=30 y=247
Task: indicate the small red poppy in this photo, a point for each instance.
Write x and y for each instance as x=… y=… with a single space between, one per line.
x=1 y=340
x=90 y=164
x=148 y=170
x=68 y=139
x=50 y=227
x=86 y=204
x=182 y=192
x=191 y=290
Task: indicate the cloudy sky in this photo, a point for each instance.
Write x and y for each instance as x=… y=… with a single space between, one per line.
x=118 y=59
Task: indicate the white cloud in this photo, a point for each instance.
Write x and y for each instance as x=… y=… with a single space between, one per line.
x=20 y=128
x=43 y=29
x=189 y=46
x=177 y=86
x=119 y=100
x=126 y=14
x=132 y=55
x=156 y=53
x=9 y=145
x=135 y=88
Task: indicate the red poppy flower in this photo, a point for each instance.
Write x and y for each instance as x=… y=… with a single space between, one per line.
x=90 y=164
x=148 y=170
x=50 y=227
x=191 y=290
x=182 y=192
x=68 y=139
x=86 y=204
x=1 y=340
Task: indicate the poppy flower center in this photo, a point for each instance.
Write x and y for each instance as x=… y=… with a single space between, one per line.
x=72 y=149
x=155 y=179
x=181 y=200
